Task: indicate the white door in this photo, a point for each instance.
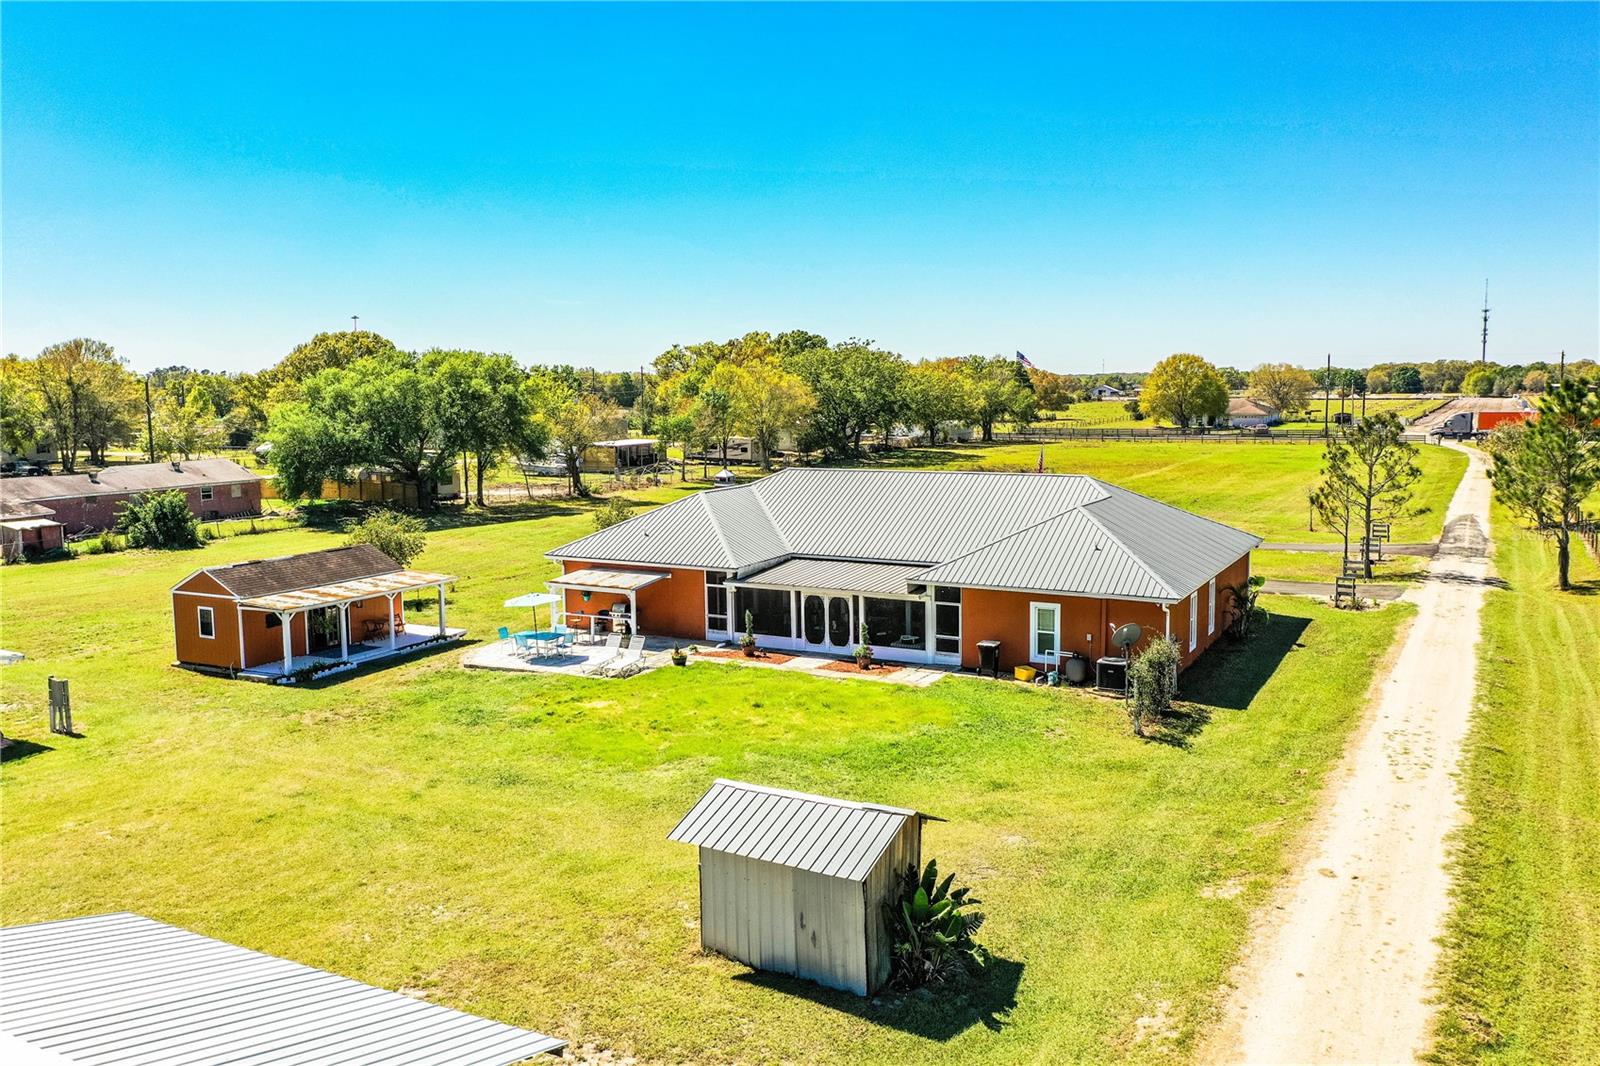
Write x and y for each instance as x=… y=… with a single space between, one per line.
x=1044 y=632
x=1194 y=619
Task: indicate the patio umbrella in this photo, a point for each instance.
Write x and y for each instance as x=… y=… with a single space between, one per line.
x=535 y=600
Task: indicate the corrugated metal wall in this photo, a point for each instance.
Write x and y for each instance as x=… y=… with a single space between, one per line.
x=904 y=850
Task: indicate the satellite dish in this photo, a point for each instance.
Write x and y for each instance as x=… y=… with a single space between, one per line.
x=1126 y=636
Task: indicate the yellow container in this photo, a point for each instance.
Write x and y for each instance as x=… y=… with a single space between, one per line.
x=1025 y=673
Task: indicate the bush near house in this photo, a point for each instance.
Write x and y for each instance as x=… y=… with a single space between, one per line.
x=401 y=537
x=159 y=520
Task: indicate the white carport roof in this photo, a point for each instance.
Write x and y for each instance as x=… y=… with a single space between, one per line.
x=602 y=579
x=124 y=988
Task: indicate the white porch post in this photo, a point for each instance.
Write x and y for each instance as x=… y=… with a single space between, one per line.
x=633 y=610
x=287 y=620
x=240 y=612
x=390 y=597
x=441 y=610
x=344 y=631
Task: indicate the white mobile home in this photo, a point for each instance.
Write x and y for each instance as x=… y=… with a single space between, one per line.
x=795 y=884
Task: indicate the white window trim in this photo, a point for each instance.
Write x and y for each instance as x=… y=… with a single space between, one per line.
x=1034 y=631
x=1194 y=619
x=204 y=613
x=1211 y=607
x=206 y=493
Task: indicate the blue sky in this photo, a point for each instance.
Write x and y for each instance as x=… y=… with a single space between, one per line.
x=1088 y=184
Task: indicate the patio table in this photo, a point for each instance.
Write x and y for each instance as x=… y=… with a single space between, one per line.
x=541 y=637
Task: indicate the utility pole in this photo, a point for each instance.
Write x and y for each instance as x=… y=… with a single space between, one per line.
x=353 y=320
x=1483 y=354
x=149 y=422
x=1327 y=392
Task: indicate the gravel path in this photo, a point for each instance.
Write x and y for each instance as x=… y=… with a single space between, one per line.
x=1338 y=969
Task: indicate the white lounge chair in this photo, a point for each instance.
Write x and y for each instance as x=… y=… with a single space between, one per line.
x=604 y=656
x=630 y=660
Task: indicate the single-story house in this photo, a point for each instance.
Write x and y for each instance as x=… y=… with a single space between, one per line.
x=269 y=618
x=628 y=453
x=795 y=883
x=929 y=562
x=215 y=488
x=27 y=529
x=1106 y=392
x=126 y=988
x=1243 y=413
x=42 y=450
x=376 y=484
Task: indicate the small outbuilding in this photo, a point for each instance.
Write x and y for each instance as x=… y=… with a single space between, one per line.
x=795 y=884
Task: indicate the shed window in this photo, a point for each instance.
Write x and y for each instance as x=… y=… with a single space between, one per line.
x=1046 y=628
x=205 y=492
x=1211 y=607
x=208 y=623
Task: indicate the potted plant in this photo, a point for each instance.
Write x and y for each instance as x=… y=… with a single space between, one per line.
x=864 y=650
x=680 y=657
x=748 y=641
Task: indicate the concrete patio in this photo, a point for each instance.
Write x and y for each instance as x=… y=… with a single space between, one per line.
x=415 y=638
x=582 y=658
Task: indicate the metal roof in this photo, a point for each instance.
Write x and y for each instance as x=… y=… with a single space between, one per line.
x=287 y=573
x=127 y=989
x=608 y=580
x=625 y=442
x=134 y=477
x=842 y=574
x=832 y=837
x=340 y=591
x=988 y=529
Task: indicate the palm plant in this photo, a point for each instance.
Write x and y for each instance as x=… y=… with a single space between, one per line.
x=932 y=930
x=1247 y=616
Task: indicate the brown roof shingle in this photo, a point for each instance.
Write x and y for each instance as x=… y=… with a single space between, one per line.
x=266 y=577
x=135 y=477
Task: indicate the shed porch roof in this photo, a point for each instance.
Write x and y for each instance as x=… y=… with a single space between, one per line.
x=341 y=591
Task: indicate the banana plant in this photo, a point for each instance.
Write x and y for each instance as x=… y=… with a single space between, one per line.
x=932 y=929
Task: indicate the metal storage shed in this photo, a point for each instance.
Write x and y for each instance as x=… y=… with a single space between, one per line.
x=795 y=883
x=127 y=989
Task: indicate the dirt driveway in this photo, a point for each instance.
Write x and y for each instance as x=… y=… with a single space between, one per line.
x=1339 y=966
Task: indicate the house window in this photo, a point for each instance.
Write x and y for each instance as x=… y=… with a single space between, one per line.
x=1194 y=619
x=899 y=624
x=236 y=491
x=770 y=611
x=1211 y=607
x=1046 y=628
x=208 y=623
x=205 y=492
x=947 y=621
x=716 y=602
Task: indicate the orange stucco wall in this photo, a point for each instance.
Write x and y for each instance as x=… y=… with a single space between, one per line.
x=1086 y=623
x=262 y=644
x=672 y=608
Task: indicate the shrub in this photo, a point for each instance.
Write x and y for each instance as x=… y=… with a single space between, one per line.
x=615 y=510
x=931 y=930
x=159 y=520
x=1153 y=682
x=1134 y=410
x=749 y=638
x=1246 y=617
x=399 y=536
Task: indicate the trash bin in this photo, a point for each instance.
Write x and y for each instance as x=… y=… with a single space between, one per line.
x=989 y=657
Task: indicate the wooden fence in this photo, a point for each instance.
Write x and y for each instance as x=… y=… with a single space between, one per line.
x=1588 y=531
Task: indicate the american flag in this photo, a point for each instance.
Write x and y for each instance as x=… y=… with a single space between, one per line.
x=1024 y=360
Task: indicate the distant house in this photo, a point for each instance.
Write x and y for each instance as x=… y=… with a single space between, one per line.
x=1106 y=392
x=628 y=453
x=931 y=563
x=269 y=618
x=42 y=450
x=215 y=488
x=381 y=485
x=795 y=884
x=1243 y=413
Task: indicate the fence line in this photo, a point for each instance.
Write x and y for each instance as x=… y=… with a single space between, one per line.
x=1588 y=531
x=1215 y=436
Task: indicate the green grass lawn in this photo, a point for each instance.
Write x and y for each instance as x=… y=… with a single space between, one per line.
x=1258 y=487
x=1325 y=566
x=498 y=841
x=1522 y=964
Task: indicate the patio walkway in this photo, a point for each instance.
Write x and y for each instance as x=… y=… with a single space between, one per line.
x=914 y=674
x=415 y=638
